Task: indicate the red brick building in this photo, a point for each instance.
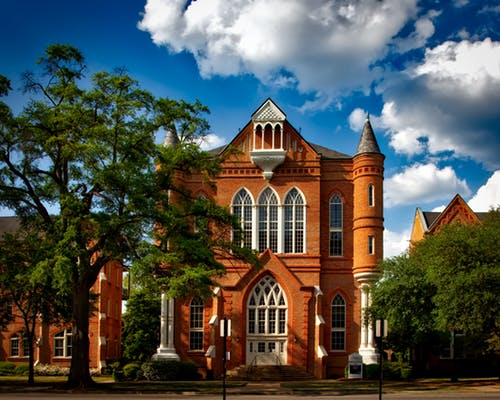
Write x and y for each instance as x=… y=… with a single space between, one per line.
x=53 y=342
x=316 y=218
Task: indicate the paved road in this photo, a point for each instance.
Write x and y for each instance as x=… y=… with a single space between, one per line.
x=399 y=396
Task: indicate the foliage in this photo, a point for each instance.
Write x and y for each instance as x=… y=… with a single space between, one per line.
x=141 y=325
x=133 y=371
x=81 y=160
x=51 y=370
x=6 y=368
x=22 y=369
x=26 y=284
x=449 y=282
x=170 y=371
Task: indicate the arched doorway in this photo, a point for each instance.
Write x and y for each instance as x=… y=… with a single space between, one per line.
x=267 y=314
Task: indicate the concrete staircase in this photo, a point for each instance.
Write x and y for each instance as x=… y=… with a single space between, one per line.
x=273 y=373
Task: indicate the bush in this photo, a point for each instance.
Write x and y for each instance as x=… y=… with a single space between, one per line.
x=22 y=370
x=170 y=371
x=51 y=370
x=133 y=372
x=6 y=368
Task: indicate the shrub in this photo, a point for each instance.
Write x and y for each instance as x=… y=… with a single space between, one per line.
x=51 y=370
x=170 y=371
x=6 y=368
x=22 y=370
x=371 y=371
x=133 y=372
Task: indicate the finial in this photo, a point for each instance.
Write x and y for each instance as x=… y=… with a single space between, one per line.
x=367 y=117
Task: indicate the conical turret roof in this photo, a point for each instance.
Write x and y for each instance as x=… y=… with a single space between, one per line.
x=171 y=138
x=367 y=142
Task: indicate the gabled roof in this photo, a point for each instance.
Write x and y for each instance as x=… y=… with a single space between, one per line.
x=270 y=112
x=428 y=222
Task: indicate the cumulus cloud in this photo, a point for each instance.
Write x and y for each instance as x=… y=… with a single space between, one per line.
x=447 y=103
x=488 y=195
x=396 y=243
x=211 y=141
x=421 y=184
x=309 y=44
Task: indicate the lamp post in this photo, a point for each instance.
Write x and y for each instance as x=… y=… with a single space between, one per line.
x=225 y=331
x=380 y=332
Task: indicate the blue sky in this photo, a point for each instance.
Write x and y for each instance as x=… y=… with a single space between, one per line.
x=427 y=72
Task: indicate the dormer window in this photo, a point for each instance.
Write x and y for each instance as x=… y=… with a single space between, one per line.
x=268 y=143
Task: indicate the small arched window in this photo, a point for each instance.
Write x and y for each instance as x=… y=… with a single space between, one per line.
x=338 y=324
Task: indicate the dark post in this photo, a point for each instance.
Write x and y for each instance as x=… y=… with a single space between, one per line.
x=224 y=356
x=380 y=333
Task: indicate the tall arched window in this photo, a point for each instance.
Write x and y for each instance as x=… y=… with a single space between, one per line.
x=335 y=226
x=294 y=222
x=242 y=208
x=338 y=324
x=268 y=221
x=196 y=309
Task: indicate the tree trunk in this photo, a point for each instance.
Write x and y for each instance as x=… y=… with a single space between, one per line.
x=79 y=375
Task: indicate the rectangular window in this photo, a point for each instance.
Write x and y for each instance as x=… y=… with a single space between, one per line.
x=282 y=321
x=196 y=325
x=262 y=320
x=371 y=195
x=251 y=321
x=272 y=321
x=371 y=244
x=335 y=243
x=14 y=346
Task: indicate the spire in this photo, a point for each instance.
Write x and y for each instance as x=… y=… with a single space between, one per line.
x=171 y=138
x=367 y=142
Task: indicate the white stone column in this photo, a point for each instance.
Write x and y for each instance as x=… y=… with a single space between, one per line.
x=166 y=350
x=366 y=348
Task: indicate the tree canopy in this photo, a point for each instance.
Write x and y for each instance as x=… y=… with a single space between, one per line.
x=82 y=160
x=448 y=282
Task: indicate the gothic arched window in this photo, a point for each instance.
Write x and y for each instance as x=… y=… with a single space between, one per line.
x=242 y=208
x=338 y=324
x=294 y=222
x=268 y=221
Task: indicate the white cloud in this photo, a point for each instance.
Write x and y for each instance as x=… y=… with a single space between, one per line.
x=327 y=47
x=421 y=184
x=488 y=195
x=447 y=103
x=396 y=243
x=211 y=141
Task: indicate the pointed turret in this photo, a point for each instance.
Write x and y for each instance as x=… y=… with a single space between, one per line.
x=367 y=142
x=171 y=138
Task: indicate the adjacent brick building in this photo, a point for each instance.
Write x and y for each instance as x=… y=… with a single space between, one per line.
x=315 y=216
x=53 y=342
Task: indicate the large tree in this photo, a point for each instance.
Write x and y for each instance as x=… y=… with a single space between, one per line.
x=82 y=158
x=448 y=282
